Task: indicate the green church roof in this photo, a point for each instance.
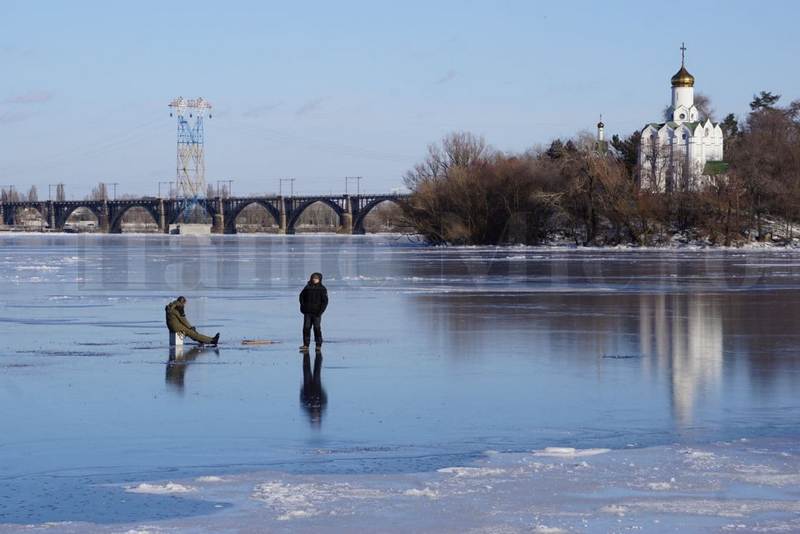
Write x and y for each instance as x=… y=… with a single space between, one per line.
x=713 y=168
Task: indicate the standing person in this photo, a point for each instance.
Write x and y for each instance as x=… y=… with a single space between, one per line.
x=313 y=301
x=177 y=322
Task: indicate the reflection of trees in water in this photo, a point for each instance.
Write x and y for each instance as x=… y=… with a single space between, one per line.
x=551 y=324
x=763 y=327
x=694 y=342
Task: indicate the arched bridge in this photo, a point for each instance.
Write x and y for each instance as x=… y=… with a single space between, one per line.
x=286 y=210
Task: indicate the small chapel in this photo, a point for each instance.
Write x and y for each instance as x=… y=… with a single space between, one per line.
x=682 y=153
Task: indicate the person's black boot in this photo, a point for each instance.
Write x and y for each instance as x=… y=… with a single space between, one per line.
x=215 y=341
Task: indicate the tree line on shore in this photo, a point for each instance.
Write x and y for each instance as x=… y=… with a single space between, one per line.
x=465 y=192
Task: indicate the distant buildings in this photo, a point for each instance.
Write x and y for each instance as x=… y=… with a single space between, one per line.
x=682 y=153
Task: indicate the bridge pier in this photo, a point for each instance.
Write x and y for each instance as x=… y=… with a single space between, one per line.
x=218 y=221
x=103 y=224
x=346 y=219
x=282 y=213
x=51 y=216
x=163 y=227
x=218 y=225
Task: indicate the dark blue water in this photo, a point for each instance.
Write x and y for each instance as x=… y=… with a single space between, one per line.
x=432 y=356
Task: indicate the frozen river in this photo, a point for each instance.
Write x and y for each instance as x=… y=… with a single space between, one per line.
x=433 y=356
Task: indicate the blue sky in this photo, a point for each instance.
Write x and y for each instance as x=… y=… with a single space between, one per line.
x=321 y=90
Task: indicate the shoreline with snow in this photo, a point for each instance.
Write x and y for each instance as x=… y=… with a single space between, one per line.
x=555 y=244
x=737 y=486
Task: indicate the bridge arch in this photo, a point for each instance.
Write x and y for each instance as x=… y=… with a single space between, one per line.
x=18 y=212
x=230 y=218
x=361 y=215
x=298 y=212
x=64 y=212
x=176 y=209
x=115 y=224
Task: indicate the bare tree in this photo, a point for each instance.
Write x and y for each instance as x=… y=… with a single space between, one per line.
x=704 y=107
x=99 y=193
x=459 y=149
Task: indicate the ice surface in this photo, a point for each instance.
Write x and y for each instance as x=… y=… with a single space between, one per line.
x=210 y=478
x=434 y=356
x=568 y=452
x=160 y=489
x=424 y=492
x=666 y=490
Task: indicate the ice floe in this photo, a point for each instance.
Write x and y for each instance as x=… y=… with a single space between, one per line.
x=568 y=452
x=160 y=489
x=472 y=472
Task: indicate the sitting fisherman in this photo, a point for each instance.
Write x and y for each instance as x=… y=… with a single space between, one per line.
x=178 y=323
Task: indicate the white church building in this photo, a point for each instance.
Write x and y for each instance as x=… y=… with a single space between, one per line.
x=683 y=153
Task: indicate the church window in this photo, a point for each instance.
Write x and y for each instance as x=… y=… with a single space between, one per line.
x=683 y=115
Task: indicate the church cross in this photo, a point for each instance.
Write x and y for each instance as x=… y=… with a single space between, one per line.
x=683 y=53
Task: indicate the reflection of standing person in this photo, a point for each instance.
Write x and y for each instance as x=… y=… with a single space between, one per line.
x=177 y=322
x=312 y=396
x=313 y=301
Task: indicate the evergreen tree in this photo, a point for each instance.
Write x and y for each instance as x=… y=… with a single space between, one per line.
x=730 y=126
x=764 y=100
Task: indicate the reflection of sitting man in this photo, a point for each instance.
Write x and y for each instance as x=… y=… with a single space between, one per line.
x=178 y=323
x=312 y=395
x=178 y=362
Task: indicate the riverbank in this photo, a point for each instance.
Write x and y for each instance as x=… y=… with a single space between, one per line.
x=554 y=244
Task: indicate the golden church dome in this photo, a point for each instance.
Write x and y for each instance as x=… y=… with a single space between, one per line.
x=682 y=78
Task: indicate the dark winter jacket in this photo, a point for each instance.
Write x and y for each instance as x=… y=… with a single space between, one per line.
x=176 y=318
x=314 y=297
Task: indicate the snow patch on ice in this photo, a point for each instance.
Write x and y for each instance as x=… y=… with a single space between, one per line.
x=424 y=492
x=719 y=508
x=569 y=452
x=143 y=530
x=295 y=514
x=772 y=479
x=293 y=501
x=699 y=459
x=615 y=509
x=544 y=529
x=210 y=478
x=160 y=489
x=471 y=472
x=40 y=267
